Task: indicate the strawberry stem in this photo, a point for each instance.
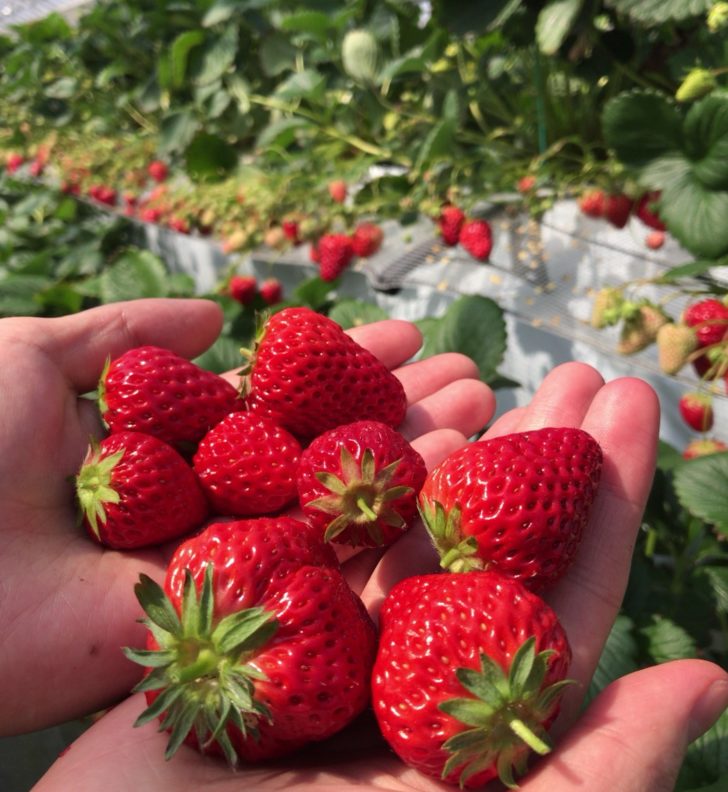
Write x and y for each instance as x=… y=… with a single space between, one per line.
x=519 y=728
x=365 y=508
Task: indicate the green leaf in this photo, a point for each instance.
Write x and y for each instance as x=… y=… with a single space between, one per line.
x=220 y=11
x=667 y=640
x=64 y=88
x=718 y=579
x=438 y=144
x=306 y=84
x=658 y=12
x=554 y=24
x=18 y=294
x=619 y=656
x=135 y=274
x=177 y=130
x=691 y=270
x=282 y=133
x=641 y=126
x=701 y=484
x=316 y=24
x=222 y=356
x=468 y=16
x=210 y=158
x=706 y=141
x=217 y=56
x=353 y=313
x=276 y=54
x=179 y=54
x=706 y=760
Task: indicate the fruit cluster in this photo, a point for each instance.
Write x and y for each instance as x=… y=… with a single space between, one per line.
x=475 y=235
x=617 y=208
x=257 y=645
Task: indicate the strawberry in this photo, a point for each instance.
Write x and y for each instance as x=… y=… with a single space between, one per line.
x=468 y=675
x=335 y=252
x=366 y=239
x=451 y=221
x=257 y=645
x=703 y=446
x=271 y=290
x=157 y=171
x=338 y=191
x=675 y=345
x=696 y=409
x=525 y=184
x=617 y=209
x=153 y=390
x=593 y=202
x=151 y=214
x=291 y=231
x=243 y=288
x=655 y=240
x=247 y=465
x=709 y=318
x=476 y=237
x=607 y=307
x=14 y=161
x=517 y=503
x=308 y=374
x=179 y=224
x=36 y=168
x=358 y=484
x=135 y=491
x=646 y=212
x=640 y=328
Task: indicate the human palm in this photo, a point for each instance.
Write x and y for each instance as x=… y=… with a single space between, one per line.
x=68 y=605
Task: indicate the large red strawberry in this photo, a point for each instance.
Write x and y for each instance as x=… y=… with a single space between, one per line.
x=247 y=465
x=366 y=239
x=136 y=491
x=516 y=503
x=709 y=318
x=477 y=238
x=451 y=220
x=258 y=645
x=617 y=209
x=468 y=675
x=243 y=288
x=335 y=253
x=645 y=210
x=358 y=483
x=158 y=170
x=310 y=376
x=592 y=203
x=153 y=390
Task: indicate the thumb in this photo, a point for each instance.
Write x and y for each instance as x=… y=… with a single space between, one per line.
x=634 y=735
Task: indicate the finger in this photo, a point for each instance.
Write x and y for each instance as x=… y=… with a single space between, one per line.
x=80 y=343
x=589 y=596
x=633 y=736
x=465 y=405
x=506 y=423
x=425 y=377
x=393 y=341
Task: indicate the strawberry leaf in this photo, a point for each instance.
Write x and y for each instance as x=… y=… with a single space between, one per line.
x=700 y=485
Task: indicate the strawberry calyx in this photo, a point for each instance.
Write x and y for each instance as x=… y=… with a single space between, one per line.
x=249 y=354
x=506 y=713
x=93 y=485
x=457 y=553
x=202 y=668
x=361 y=497
x=101 y=388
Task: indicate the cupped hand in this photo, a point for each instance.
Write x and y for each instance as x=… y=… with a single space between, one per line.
x=67 y=606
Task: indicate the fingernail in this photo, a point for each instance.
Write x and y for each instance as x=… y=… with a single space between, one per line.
x=708 y=708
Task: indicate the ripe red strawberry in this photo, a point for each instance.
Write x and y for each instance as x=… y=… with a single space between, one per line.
x=258 y=645
x=358 y=484
x=366 y=239
x=271 y=290
x=703 y=446
x=247 y=465
x=709 y=318
x=451 y=221
x=179 y=224
x=14 y=161
x=646 y=212
x=525 y=184
x=135 y=491
x=291 y=231
x=335 y=253
x=696 y=410
x=593 y=202
x=243 y=288
x=338 y=191
x=617 y=209
x=36 y=168
x=153 y=390
x=517 y=503
x=158 y=170
x=477 y=238
x=468 y=675
x=655 y=240
x=309 y=375
x=151 y=214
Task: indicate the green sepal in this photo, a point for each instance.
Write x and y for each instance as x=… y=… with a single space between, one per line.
x=101 y=390
x=203 y=668
x=505 y=714
x=457 y=553
x=93 y=485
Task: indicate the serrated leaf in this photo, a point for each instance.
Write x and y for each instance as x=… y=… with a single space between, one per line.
x=619 y=656
x=209 y=158
x=276 y=54
x=706 y=141
x=667 y=640
x=706 y=762
x=300 y=85
x=177 y=130
x=217 y=56
x=281 y=133
x=352 y=313
x=701 y=485
x=658 y=12
x=135 y=274
x=718 y=578
x=179 y=54
x=18 y=294
x=555 y=21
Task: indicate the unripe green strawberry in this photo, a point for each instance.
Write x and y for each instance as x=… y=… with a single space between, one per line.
x=247 y=465
x=153 y=390
x=640 y=329
x=468 y=675
x=697 y=83
x=257 y=645
x=358 y=484
x=675 y=344
x=517 y=503
x=703 y=446
x=360 y=56
x=717 y=17
x=607 y=307
x=136 y=491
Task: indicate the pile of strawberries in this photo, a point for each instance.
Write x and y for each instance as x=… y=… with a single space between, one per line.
x=257 y=645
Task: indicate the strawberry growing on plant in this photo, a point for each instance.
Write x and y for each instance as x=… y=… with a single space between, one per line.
x=309 y=375
x=247 y=465
x=257 y=645
x=592 y=203
x=655 y=240
x=243 y=288
x=676 y=344
x=696 y=409
x=517 y=504
x=703 y=446
x=617 y=209
x=338 y=191
x=358 y=484
x=271 y=291
x=645 y=210
x=468 y=675
x=476 y=237
x=158 y=171
x=451 y=221
x=335 y=252
x=366 y=239
x=153 y=390
x=709 y=319
x=136 y=491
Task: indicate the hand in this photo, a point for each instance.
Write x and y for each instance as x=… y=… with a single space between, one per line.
x=66 y=604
